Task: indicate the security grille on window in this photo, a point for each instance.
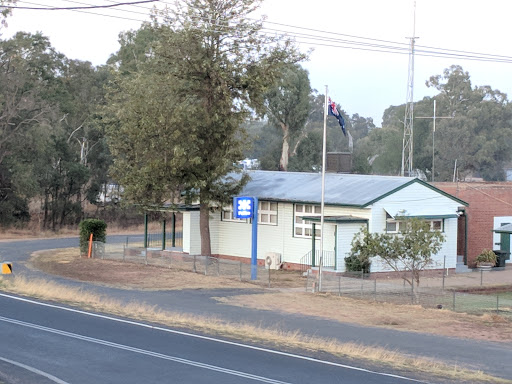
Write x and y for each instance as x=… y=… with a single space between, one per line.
x=267 y=213
x=304 y=228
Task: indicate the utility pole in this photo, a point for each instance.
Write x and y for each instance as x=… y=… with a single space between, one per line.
x=433 y=133
x=407 y=148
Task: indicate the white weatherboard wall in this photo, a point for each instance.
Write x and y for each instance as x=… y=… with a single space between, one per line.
x=345 y=234
x=191 y=233
x=418 y=197
x=498 y=222
x=496 y=237
x=234 y=238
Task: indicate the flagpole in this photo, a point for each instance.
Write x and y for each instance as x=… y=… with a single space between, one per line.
x=324 y=150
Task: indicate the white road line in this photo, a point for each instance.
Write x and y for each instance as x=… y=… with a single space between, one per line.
x=291 y=355
x=140 y=351
x=35 y=370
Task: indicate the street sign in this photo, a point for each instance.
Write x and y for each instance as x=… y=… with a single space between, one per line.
x=243 y=207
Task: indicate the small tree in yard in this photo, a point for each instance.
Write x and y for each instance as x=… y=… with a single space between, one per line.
x=407 y=253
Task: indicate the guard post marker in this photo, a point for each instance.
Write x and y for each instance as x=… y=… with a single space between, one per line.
x=6 y=268
x=90 y=247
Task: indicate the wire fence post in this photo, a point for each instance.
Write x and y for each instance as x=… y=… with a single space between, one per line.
x=444 y=270
x=453 y=304
x=481 y=277
x=362 y=282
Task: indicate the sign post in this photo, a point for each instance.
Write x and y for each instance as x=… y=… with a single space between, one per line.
x=247 y=208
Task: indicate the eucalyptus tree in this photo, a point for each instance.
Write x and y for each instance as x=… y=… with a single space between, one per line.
x=288 y=107
x=177 y=121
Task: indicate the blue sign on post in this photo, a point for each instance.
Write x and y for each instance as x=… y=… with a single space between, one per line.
x=247 y=208
x=243 y=207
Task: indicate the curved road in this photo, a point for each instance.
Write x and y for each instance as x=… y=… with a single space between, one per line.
x=494 y=358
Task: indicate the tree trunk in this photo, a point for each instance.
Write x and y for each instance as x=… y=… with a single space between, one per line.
x=204 y=228
x=285 y=152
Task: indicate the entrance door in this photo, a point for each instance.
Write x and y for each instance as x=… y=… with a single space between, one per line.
x=345 y=234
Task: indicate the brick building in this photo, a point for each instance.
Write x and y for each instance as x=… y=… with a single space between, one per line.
x=490 y=205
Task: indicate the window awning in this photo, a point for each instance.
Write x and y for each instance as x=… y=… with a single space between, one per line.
x=424 y=212
x=503 y=229
x=336 y=219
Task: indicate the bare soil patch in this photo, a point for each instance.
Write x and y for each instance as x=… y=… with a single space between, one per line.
x=289 y=298
x=67 y=263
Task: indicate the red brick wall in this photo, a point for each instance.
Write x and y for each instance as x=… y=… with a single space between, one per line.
x=486 y=200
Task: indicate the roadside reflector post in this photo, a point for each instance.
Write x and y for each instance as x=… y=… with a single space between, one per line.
x=6 y=268
x=90 y=247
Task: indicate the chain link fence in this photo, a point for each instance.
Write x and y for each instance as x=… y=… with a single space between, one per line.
x=209 y=266
x=437 y=290
x=457 y=298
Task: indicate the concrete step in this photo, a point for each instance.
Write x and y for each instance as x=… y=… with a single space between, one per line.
x=461 y=268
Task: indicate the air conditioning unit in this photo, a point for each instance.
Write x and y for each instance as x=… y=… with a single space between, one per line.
x=273 y=260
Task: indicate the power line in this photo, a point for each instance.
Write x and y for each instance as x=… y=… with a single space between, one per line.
x=83 y=7
x=316 y=39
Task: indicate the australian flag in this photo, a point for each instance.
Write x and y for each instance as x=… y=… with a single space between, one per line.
x=333 y=111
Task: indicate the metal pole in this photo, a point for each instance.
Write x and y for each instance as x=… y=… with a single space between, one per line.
x=313 y=246
x=453 y=301
x=145 y=229
x=324 y=150
x=444 y=269
x=173 y=241
x=163 y=234
x=481 y=277
x=254 y=247
x=433 y=140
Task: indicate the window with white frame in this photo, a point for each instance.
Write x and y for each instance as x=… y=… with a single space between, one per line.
x=304 y=228
x=397 y=226
x=267 y=212
x=227 y=215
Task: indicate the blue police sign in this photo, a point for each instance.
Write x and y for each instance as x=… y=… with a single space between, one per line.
x=243 y=207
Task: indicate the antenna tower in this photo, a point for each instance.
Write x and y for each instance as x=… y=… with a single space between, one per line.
x=407 y=149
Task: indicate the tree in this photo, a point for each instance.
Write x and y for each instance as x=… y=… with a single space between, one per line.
x=288 y=107
x=6 y=11
x=179 y=118
x=407 y=253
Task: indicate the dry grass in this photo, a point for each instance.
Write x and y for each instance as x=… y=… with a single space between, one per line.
x=65 y=262
x=273 y=337
x=413 y=318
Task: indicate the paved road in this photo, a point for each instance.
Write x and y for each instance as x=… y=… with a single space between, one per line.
x=491 y=357
x=52 y=344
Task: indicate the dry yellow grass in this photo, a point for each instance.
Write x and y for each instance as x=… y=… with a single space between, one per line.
x=273 y=337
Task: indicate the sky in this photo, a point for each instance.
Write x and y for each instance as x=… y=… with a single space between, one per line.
x=365 y=82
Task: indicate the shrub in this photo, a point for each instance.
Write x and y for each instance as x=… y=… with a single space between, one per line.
x=98 y=228
x=354 y=264
x=487 y=256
